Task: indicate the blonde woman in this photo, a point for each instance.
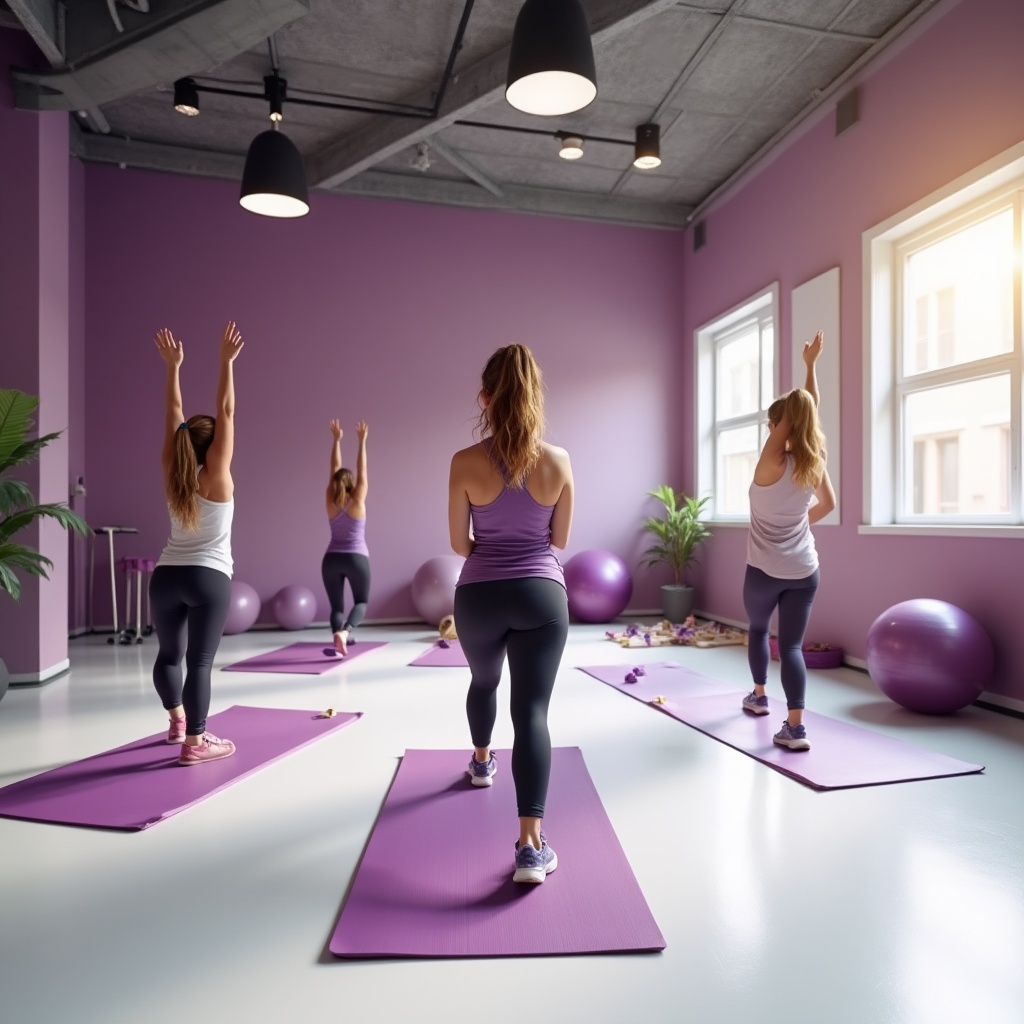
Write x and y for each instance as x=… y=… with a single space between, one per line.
x=190 y=589
x=510 y=501
x=790 y=491
x=347 y=556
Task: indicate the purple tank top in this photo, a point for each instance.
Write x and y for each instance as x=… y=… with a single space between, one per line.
x=780 y=542
x=512 y=539
x=348 y=535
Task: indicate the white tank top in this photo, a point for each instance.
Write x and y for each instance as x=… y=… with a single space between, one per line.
x=780 y=542
x=209 y=544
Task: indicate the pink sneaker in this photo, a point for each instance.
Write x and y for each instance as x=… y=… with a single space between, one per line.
x=176 y=730
x=212 y=748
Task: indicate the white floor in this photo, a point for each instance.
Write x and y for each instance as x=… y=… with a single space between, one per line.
x=900 y=903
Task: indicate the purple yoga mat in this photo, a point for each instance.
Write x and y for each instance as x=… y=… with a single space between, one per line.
x=841 y=755
x=137 y=785
x=305 y=658
x=451 y=656
x=436 y=876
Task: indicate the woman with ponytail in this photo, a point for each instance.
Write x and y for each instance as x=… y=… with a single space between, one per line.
x=790 y=491
x=347 y=557
x=190 y=589
x=510 y=501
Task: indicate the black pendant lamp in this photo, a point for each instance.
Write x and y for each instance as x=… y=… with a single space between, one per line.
x=274 y=180
x=551 y=63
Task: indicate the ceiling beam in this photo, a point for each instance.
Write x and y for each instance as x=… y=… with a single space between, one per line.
x=468 y=168
x=151 y=156
x=469 y=90
x=834 y=33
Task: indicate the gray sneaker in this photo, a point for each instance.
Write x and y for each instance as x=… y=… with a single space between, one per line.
x=481 y=773
x=534 y=865
x=792 y=736
x=754 y=704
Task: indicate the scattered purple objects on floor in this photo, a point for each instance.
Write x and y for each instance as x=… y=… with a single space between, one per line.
x=630 y=677
x=842 y=755
x=442 y=654
x=137 y=785
x=414 y=896
x=308 y=658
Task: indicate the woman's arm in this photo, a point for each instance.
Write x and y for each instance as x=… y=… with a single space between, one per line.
x=362 y=484
x=222 y=448
x=172 y=353
x=812 y=349
x=336 y=435
x=561 y=517
x=458 y=507
x=826 y=500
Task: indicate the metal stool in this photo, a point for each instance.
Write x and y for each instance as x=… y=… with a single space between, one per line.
x=120 y=636
x=138 y=566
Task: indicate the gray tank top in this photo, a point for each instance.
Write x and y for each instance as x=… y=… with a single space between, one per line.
x=780 y=542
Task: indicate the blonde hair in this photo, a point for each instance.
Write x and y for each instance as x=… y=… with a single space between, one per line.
x=806 y=440
x=188 y=453
x=343 y=482
x=514 y=414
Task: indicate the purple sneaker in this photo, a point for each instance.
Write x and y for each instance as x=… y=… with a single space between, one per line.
x=792 y=736
x=534 y=865
x=212 y=748
x=754 y=704
x=481 y=773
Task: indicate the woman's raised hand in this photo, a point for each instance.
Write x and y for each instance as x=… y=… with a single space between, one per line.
x=230 y=343
x=812 y=349
x=171 y=351
x=336 y=431
x=362 y=430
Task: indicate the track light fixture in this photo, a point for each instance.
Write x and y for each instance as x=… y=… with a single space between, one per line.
x=572 y=147
x=274 y=180
x=186 y=97
x=647 y=150
x=551 y=61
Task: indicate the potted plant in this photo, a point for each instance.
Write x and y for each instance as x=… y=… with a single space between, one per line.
x=18 y=507
x=679 y=532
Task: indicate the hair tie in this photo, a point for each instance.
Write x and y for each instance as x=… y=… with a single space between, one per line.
x=183 y=426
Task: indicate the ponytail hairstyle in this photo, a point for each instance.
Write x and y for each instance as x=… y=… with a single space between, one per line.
x=341 y=483
x=806 y=441
x=188 y=454
x=514 y=414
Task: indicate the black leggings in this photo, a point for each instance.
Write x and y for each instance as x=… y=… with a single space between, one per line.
x=337 y=567
x=761 y=593
x=528 y=618
x=199 y=598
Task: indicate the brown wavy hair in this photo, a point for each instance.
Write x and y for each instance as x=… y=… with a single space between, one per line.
x=806 y=440
x=188 y=454
x=514 y=415
x=343 y=482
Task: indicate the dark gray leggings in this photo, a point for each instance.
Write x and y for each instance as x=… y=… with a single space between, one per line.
x=794 y=598
x=190 y=605
x=337 y=567
x=529 y=619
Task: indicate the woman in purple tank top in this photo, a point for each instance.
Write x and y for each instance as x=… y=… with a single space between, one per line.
x=790 y=491
x=347 y=557
x=510 y=501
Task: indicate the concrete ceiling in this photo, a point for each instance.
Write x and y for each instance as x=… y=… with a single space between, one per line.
x=725 y=80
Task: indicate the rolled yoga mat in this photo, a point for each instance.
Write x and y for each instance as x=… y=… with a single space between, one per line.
x=451 y=656
x=436 y=876
x=137 y=785
x=841 y=755
x=311 y=659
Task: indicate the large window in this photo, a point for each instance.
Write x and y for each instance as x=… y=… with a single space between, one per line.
x=944 y=430
x=736 y=382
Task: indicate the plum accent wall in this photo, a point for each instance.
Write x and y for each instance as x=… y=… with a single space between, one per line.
x=946 y=102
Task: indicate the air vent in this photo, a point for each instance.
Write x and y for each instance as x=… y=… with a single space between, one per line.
x=847 y=112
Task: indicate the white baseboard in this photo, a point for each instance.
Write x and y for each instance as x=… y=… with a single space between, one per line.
x=35 y=678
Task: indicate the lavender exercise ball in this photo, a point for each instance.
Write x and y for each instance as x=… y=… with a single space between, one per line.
x=244 y=609
x=598 y=584
x=293 y=607
x=929 y=656
x=433 y=587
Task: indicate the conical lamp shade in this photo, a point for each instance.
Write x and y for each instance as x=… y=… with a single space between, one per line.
x=274 y=180
x=551 y=63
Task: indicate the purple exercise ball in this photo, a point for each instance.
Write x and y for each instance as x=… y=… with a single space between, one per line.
x=433 y=587
x=598 y=585
x=293 y=607
x=244 y=609
x=929 y=656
